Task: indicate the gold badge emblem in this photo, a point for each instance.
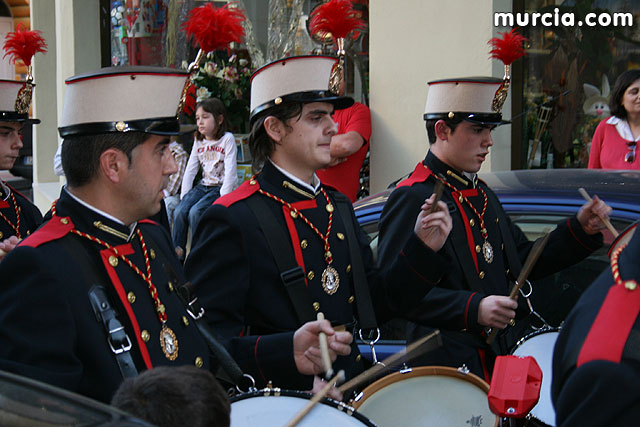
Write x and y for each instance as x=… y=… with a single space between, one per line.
x=330 y=280
x=169 y=343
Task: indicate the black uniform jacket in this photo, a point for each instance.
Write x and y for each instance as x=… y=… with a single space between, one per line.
x=48 y=329
x=238 y=282
x=16 y=207
x=596 y=361
x=453 y=306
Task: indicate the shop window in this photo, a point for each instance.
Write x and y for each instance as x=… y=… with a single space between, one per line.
x=567 y=76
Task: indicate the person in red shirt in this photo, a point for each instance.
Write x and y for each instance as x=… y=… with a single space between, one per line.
x=348 y=148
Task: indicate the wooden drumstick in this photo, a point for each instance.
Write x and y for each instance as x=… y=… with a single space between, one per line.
x=315 y=399
x=529 y=263
x=605 y=221
x=438 y=192
x=324 y=350
x=414 y=349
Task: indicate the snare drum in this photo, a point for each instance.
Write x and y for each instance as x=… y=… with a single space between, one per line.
x=275 y=407
x=427 y=396
x=540 y=345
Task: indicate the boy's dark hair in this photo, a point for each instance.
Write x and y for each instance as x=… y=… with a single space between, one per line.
x=431 y=127
x=81 y=154
x=260 y=144
x=216 y=107
x=623 y=82
x=174 y=397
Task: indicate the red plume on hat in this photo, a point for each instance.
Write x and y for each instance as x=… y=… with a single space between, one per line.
x=215 y=27
x=23 y=44
x=507 y=49
x=335 y=17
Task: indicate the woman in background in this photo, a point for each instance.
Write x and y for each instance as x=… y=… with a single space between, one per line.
x=615 y=139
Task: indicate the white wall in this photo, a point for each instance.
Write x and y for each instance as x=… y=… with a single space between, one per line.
x=413 y=42
x=72 y=31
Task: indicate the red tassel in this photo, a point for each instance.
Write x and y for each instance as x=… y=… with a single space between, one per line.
x=23 y=44
x=215 y=28
x=336 y=17
x=508 y=48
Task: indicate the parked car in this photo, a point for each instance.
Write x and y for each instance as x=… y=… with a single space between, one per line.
x=536 y=200
x=26 y=402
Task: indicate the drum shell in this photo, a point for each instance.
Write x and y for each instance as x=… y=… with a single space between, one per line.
x=427 y=395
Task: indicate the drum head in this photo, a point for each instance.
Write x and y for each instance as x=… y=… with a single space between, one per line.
x=427 y=396
x=277 y=407
x=540 y=346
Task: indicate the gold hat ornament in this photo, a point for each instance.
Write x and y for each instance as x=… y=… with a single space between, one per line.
x=21 y=44
x=335 y=19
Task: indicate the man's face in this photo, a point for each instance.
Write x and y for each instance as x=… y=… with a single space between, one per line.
x=10 y=143
x=148 y=173
x=306 y=144
x=467 y=147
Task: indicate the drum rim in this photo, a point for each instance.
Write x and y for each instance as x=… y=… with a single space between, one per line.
x=533 y=334
x=276 y=392
x=421 y=371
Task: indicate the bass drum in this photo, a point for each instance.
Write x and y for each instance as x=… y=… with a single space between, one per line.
x=540 y=346
x=427 y=396
x=275 y=407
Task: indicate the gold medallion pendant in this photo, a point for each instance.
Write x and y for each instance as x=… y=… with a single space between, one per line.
x=169 y=343
x=487 y=251
x=330 y=280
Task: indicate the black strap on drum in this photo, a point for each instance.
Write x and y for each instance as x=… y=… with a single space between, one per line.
x=366 y=314
x=117 y=338
x=291 y=273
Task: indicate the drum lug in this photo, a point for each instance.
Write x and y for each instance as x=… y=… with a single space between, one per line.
x=463 y=369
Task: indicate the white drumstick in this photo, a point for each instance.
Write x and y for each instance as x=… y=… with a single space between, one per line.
x=324 y=349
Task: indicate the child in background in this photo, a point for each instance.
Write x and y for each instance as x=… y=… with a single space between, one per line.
x=215 y=150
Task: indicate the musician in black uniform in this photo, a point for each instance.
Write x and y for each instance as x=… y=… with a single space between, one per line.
x=18 y=216
x=596 y=360
x=282 y=247
x=485 y=249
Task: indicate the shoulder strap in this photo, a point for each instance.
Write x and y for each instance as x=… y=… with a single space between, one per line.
x=366 y=315
x=507 y=238
x=117 y=338
x=291 y=273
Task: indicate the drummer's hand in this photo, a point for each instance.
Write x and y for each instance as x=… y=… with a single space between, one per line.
x=7 y=245
x=591 y=215
x=306 y=347
x=496 y=311
x=433 y=228
x=319 y=384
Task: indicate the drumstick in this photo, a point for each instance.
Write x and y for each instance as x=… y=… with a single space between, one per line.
x=410 y=352
x=605 y=221
x=533 y=256
x=438 y=192
x=324 y=349
x=315 y=399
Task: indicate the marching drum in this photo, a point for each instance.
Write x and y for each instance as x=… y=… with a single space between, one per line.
x=275 y=407
x=427 y=396
x=540 y=346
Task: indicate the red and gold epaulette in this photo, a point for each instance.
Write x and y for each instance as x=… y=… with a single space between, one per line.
x=419 y=174
x=54 y=229
x=245 y=190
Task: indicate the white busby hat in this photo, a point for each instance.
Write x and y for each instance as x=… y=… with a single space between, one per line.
x=295 y=79
x=123 y=99
x=468 y=99
x=9 y=109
